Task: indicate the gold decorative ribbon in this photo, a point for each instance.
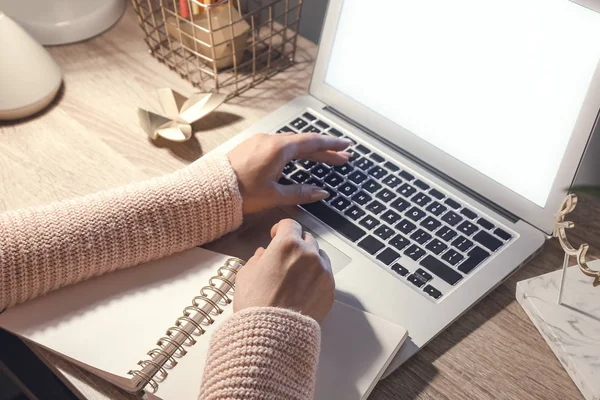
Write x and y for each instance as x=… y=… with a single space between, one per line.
x=567 y=206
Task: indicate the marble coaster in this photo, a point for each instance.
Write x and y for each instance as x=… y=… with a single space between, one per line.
x=572 y=330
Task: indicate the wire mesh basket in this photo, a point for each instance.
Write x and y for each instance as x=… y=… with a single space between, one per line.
x=221 y=46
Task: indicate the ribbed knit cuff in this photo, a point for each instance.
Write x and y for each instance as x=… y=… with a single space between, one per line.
x=263 y=353
x=216 y=184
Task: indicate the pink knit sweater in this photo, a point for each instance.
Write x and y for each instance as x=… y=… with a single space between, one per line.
x=259 y=353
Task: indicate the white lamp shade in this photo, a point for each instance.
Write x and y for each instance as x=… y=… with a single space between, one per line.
x=29 y=77
x=53 y=22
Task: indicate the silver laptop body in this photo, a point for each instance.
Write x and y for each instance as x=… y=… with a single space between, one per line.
x=379 y=287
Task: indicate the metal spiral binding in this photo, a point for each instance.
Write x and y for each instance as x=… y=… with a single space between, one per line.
x=171 y=346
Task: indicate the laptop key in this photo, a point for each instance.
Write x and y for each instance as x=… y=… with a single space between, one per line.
x=446 y=234
x=415 y=214
x=298 y=124
x=468 y=213
x=388 y=256
x=353 y=155
x=386 y=195
x=405 y=226
x=433 y=292
x=321 y=124
x=332 y=193
x=440 y=270
x=370 y=245
x=436 y=246
x=357 y=177
x=314 y=182
x=285 y=181
x=300 y=176
x=437 y=194
x=391 y=166
x=335 y=132
x=421 y=199
x=371 y=186
x=307 y=164
x=436 y=208
x=430 y=224
x=390 y=217
x=343 y=169
x=451 y=218
x=416 y=280
x=462 y=243
x=399 y=269
x=502 y=234
x=341 y=224
x=363 y=163
x=369 y=222
x=334 y=179
x=406 y=175
x=354 y=213
x=361 y=198
x=347 y=189
x=376 y=157
x=414 y=252
x=421 y=185
x=452 y=257
x=289 y=168
x=485 y=223
x=452 y=204
x=320 y=171
x=375 y=207
x=399 y=242
x=487 y=240
x=420 y=236
x=285 y=129
x=362 y=149
x=474 y=258
x=309 y=116
x=311 y=128
x=392 y=181
x=400 y=204
x=384 y=232
x=377 y=172
x=340 y=203
x=423 y=274
x=467 y=228
x=406 y=190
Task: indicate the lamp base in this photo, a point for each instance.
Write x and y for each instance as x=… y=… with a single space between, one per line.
x=53 y=22
x=572 y=330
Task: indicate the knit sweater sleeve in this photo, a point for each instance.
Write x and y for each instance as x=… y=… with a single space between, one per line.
x=45 y=248
x=262 y=353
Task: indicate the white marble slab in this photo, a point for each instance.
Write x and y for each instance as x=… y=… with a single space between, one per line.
x=572 y=330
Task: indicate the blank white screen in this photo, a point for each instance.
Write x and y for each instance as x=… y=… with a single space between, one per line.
x=496 y=84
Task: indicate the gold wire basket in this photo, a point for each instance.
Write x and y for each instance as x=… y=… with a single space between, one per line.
x=221 y=46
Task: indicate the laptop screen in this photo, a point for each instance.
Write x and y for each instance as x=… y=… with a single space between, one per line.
x=497 y=85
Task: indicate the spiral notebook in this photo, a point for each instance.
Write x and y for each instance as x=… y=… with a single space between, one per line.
x=148 y=328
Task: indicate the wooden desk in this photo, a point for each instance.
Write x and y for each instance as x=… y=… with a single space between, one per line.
x=90 y=140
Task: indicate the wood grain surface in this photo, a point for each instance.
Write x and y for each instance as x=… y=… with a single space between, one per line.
x=90 y=140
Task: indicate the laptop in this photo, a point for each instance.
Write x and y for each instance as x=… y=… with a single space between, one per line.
x=469 y=119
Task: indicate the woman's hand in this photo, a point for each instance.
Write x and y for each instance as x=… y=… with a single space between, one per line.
x=290 y=273
x=258 y=163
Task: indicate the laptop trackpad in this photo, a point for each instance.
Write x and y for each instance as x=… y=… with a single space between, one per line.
x=255 y=232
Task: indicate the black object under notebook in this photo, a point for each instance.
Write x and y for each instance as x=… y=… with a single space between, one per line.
x=23 y=376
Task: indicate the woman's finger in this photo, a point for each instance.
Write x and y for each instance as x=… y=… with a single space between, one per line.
x=303 y=145
x=292 y=195
x=286 y=227
x=330 y=157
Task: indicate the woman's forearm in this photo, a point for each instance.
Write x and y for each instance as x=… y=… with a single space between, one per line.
x=263 y=353
x=44 y=248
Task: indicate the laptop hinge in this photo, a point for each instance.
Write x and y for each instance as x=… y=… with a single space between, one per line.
x=488 y=203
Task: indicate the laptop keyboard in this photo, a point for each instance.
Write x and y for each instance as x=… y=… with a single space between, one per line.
x=393 y=215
